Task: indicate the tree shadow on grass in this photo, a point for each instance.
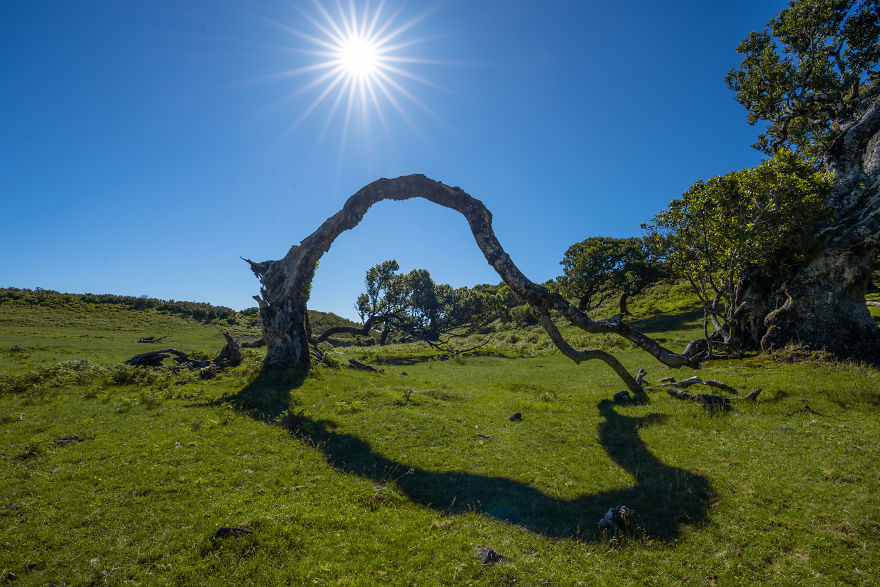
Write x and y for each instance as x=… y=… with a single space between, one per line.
x=669 y=322
x=665 y=498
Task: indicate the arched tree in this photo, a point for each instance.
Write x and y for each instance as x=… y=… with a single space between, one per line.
x=812 y=76
x=286 y=282
x=600 y=267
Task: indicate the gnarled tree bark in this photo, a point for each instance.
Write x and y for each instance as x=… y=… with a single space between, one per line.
x=821 y=304
x=286 y=282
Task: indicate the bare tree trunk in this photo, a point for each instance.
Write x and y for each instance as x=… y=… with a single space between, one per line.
x=584 y=304
x=706 y=334
x=286 y=283
x=283 y=315
x=624 y=309
x=825 y=308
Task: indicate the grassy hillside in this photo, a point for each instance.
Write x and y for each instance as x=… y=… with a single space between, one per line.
x=43 y=327
x=395 y=477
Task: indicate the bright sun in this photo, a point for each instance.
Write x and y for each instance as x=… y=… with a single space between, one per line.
x=359 y=57
x=358 y=61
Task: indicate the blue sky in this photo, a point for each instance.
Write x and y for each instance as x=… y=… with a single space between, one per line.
x=147 y=146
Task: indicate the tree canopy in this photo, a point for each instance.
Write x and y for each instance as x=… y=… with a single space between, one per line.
x=414 y=306
x=600 y=267
x=810 y=73
x=764 y=219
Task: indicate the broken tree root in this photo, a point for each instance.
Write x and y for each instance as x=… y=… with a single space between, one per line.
x=230 y=356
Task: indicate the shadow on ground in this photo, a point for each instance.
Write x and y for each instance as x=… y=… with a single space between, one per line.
x=666 y=498
x=669 y=322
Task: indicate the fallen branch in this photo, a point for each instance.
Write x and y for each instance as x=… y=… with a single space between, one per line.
x=804 y=410
x=230 y=356
x=150 y=339
x=352 y=330
x=752 y=396
x=697 y=380
x=67 y=440
x=715 y=402
x=155 y=358
x=362 y=366
x=711 y=401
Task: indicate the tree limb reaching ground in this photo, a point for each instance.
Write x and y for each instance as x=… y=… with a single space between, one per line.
x=286 y=283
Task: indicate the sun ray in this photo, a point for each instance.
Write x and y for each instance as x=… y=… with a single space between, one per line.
x=359 y=63
x=405 y=92
x=317 y=101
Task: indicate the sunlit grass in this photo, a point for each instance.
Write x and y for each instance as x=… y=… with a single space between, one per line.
x=344 y=479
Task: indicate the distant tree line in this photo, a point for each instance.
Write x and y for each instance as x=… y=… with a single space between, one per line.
x=201 y=311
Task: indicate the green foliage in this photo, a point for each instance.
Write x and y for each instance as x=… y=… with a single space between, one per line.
x=763 y=218
x=320 y=321
x=813 y=68
x=416 y=307
x=600 y=267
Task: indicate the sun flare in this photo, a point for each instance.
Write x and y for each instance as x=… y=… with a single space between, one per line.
x=358 y=62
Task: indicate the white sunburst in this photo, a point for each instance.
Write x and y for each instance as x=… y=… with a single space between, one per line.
x=358 y=63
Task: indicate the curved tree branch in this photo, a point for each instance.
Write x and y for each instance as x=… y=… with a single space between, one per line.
x=352 y=330
x=286 y=282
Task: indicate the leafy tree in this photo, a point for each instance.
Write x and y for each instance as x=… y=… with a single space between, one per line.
x=762 y=219
x=812 y=78
x=383 y=297
x=415 y=307
x=600 y=267
x=811 y=74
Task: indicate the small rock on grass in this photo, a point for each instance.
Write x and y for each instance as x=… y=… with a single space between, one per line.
x=488 y=555
x=517 y=417
x=617 y=518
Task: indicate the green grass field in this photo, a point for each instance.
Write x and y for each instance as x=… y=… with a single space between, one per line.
x=395 y=477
